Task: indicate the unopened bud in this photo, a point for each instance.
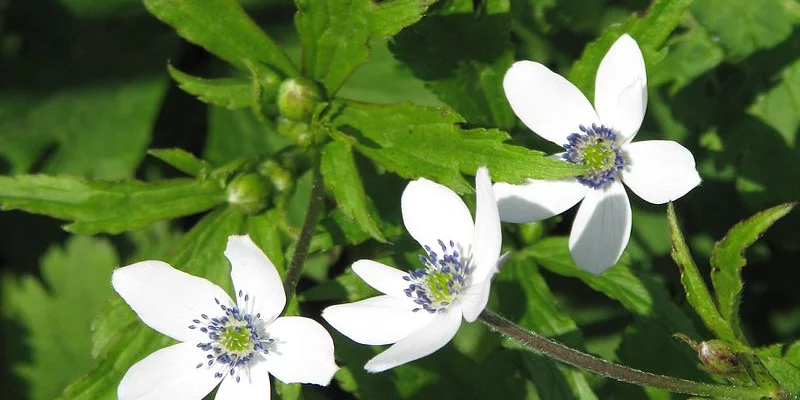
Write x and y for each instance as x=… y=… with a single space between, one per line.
x=297 y=99
x=248 y=193
x=719 y=357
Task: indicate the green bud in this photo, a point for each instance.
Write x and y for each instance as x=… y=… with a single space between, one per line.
x=281 y=179
x=297 y=99
x=720 y=358
x=248 y=193
x=298 y=132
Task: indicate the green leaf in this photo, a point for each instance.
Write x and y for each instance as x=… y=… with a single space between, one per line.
x=99 y=131
x=727 y=260
x=696 y=289
x=224 y=29
x=743 y=26
x=467 y=76
x=121 y=339
x=110 y=207
x=224 y=92
x=639 y=294
x=415 y=141
x=341 y=176
x=58 y=312
x=182 y=160
x=787 y=373
x=650 y=31
x=335 y=33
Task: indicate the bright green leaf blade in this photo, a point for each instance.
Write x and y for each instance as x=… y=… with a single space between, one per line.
x=727 y=260
x=335 y=33
x=696 y=290
x=641 y=295
x=787 y=374
x=390 y=17
x=181 y=160
x=416 y=141
x=121 y=339
x=110 y=207
x=224 y=29
x=58 y=315
x=223 y=92
x=467 y=76
x=650 y=31
x=237 y=133
x=744 y=26
x=341 y=176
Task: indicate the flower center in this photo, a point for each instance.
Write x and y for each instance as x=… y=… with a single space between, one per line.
x=439 y=283
x=598 y=149
x=235 y=337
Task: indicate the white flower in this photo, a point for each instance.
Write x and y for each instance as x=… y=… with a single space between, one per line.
x=658 y=171
x=421 y=311
x=238 y=344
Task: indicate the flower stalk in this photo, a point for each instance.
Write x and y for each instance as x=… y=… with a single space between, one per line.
x=301 y=250
x=622 y=373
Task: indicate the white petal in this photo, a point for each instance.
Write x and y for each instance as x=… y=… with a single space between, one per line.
x=420 y=343
x=620 y=93
x=377 y=320
x=601 y=229
x=475 y=297
x=546 y=103
x=169 y=374
x=254 y=275
x=167 y=299
x=537 y=199
x=432 y=212
x=385 y=279
x=303 y=351
x=659 y=171
x=487 y=239
x=253 y=383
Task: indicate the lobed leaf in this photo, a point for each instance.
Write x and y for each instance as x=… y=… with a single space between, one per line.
x=73 y=289
x=223 y=28
x=696 y=289
x=335 y=33
x=415 y=141
x=223 y=92
x=104 y=206
x=341 y=176
x=727 y=260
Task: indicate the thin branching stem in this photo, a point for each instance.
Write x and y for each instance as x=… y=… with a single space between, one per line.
x=301 y=249
x=622 y=373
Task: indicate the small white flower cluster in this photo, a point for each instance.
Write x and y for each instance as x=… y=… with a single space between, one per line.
x=236 y=345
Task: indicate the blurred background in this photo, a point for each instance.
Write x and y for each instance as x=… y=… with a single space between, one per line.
x=84 y=91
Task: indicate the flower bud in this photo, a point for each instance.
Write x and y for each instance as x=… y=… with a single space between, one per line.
x=297 y=99
x=248 y=193
x=719 y=357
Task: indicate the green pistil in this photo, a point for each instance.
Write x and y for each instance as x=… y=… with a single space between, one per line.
x=437 y=286
x=236 y=339
x=599 y=156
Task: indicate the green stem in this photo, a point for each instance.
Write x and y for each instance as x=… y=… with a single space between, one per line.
x=622 y=373
x=303 y=242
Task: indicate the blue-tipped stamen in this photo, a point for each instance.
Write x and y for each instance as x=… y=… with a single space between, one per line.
x=235 y=338
x=597 y=148
x=435 y=286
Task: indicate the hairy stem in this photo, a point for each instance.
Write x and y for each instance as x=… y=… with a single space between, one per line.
x=622 y=373
x=301 y=250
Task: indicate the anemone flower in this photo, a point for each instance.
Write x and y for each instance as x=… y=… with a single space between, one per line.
x=233 y=345
x=420 y=311
x=599 y=138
